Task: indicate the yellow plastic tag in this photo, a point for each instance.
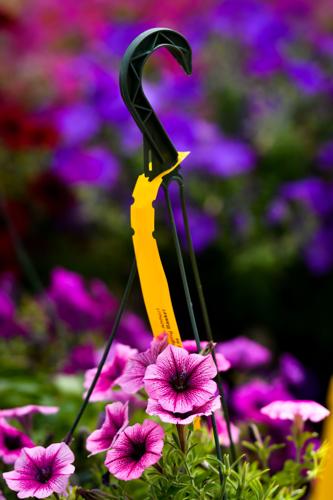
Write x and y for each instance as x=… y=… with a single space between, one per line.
x=324 y=487
x=154 y=284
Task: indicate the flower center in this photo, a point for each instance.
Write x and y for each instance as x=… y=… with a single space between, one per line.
x=12 y=442
x=179 y=381
x=138 y=451
x=44 y=474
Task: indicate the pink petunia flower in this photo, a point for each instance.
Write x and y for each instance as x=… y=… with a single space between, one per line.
x=132 y=379
x=12 y=441
x=154 y=408
x=223 y=431
x=180 y=381
x=137 y=448
x=39 y=471
x=116 y=419
x=24 y=411
x=110 y=374
x=222 y=363
x=288 y=410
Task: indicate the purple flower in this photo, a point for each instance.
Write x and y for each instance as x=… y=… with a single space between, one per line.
x=137 y=448
x=155 y=408
x=180 y=381
x=9 y=326
x=222 y=363
x=74 y=304
x=291 y=370
x=307 y=76
x=23 y=411
x=244 y=353
x=133 y=331
x=231 y=157
x=110 y=374
x=325 y=156
x=249 y=398
x=132 y=379
x=94 y=166
x=12 y=441
x=81 y=358
x=204 y=227
x=318 y=252
x=311 y=192
x=277 y=211
x=116 y=419
x=258 y=27
x=77 y=123
x=106 y=97
x=39 y=471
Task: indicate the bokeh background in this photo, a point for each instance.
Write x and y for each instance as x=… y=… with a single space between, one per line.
x=257 y=117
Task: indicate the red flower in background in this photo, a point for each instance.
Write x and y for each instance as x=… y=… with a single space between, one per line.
x=20 y=131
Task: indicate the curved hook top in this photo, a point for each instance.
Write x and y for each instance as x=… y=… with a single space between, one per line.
x=159 y=152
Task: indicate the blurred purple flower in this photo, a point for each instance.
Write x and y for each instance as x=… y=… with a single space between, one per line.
x=261 y=29
x=9 y=326
x=291 y=370
x=107 y=304
x=204 y=228
x=307 y=76
x=210 y=151
x=253 y=22
x=21 y=412
x=318 y=252
x=224 y=157
x=120 y=35
x=325 y=156
x=74 y=304
x=81 y=358
x=248 y=399
x=324 y=43
x=95 y=166
x=244 y=353
x=77 y=123
x=312 y=192
x=265 y=63
x=134 y=332
x=105 y=96
x=277 y=211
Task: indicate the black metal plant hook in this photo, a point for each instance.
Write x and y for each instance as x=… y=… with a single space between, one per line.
x=159 y=152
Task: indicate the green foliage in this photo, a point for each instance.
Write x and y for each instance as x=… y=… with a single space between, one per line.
x=194 y=474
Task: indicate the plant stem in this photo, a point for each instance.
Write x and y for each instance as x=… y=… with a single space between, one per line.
x=189 y=303
x=119 y=314
x=158 y=468
x=204 y=311
x=182 y=437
